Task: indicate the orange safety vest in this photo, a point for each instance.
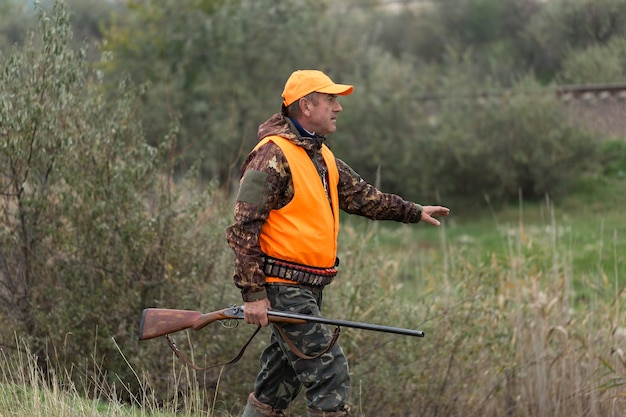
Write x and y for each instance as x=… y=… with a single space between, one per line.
x=305 y=230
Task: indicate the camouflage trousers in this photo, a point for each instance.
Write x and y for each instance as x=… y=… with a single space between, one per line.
x=283 y=373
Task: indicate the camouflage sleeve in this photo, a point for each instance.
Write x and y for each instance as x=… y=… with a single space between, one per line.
x=264 y=180
x=358 y=197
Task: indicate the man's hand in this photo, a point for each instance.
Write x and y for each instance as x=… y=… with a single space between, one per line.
x=429 y=211
x=255 y=312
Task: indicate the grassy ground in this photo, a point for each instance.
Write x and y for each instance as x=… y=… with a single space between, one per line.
x=522 y=308
x=587 y=225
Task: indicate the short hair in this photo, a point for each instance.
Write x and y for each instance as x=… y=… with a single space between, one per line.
x=293 y=110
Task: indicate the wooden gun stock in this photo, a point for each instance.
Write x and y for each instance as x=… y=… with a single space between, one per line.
x=157 y=322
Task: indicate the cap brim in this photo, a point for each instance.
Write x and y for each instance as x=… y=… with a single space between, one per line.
x=337 y=89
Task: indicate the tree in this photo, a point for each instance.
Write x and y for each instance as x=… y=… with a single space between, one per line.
x=93 y=228
x=221 y=68
x=568 y=25
x=491 y=30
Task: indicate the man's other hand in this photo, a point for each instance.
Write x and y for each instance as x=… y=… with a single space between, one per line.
x=255 y=312
x=429 y=213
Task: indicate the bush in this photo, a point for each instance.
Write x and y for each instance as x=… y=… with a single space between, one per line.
x=500 y=146
x=614 y=158
x=595 y=64
x=93 y=228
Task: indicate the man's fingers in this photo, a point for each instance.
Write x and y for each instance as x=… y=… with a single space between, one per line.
x=255 y=312
x=431 y=220
x=439 y=211
x=429 y=211
x=257 y=319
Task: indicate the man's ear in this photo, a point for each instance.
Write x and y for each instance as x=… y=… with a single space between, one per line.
x=305 y=106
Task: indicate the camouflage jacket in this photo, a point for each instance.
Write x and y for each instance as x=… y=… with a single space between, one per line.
x=266 y=185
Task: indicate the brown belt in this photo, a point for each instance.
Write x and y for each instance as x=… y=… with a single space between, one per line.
x=298 y=273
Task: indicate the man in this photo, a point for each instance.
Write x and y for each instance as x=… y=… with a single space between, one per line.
x=285 y=242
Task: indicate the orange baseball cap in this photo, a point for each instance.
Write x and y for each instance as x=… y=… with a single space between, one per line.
x=303 y=82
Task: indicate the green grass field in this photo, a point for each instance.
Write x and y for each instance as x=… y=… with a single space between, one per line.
x=587 y=226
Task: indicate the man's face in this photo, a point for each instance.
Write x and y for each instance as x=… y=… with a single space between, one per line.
x=320 y=114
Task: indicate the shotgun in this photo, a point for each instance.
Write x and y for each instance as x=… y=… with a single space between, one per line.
x=157 y=322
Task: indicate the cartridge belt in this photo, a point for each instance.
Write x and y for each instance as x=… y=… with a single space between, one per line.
x=302 y=274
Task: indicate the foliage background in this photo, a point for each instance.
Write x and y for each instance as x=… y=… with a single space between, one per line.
x=122 y=126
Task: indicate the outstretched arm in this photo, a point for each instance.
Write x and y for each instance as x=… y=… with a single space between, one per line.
x=356 y=196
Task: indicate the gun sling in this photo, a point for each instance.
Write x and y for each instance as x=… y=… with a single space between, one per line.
x=292 y=346
x=189 y=363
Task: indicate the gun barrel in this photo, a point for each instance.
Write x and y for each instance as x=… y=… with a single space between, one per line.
x=346 y=323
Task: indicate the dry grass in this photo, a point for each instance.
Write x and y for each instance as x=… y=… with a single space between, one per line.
x=26 y=390
x=519 y=333
x=512 y=335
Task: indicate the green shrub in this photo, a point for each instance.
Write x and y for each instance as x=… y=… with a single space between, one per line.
x=613 y=156
x=598 y=64
x=93 y=227
x=505 y=145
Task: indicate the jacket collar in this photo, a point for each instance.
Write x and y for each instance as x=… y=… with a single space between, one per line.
x=279 y=125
